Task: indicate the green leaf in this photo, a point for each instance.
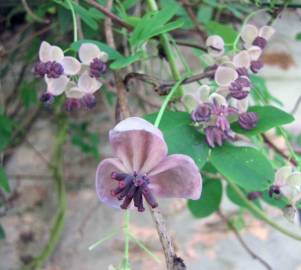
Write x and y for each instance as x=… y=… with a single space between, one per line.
x=298 y=36
x=124 y=61
x=6 y=127
x=28 y=94
x=245 y=166
x=2 y=233
x=276 y=202
x=204 y=14
x=210 y=199
x=225 y=31
x=181 y=137
x=113 y=54
x=269 y=117
x=4 y=180
x=85 y=15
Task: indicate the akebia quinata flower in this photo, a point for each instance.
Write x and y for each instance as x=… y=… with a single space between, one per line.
x=65 y=74
x=142 y=171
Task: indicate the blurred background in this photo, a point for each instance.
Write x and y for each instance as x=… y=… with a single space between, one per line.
x=27 y=141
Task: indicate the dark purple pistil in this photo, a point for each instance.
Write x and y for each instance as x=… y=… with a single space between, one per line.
x=274 y=190
x=47 y=98
x=97 y=68
x=256 y=66
x=72 y=104
x=133 y=188
x=242 y=71
x=201 y=113
x=248 y=120
x=260 y=42
x=89 y=101
x=54 y=69
x=40 y=69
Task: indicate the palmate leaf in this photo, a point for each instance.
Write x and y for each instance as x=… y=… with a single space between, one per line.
x=210 y=199
x=181 y=137
x=245 y=166
x=269 y=117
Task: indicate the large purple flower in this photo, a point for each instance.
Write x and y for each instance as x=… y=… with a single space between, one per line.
x=141 y=170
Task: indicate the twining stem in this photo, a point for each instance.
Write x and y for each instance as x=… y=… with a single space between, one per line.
x=126 y=236
x=167 y=49
x=259 y=213
x=57 y=173
x=69 y=2
x=166 y=101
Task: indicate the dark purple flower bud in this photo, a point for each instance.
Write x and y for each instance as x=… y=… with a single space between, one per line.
x=260 y=42
x=240 y=94
x=252 y=196
x=54 y=69
x=274 y=190
x=72 y=104
x=202 y=113
x=40 y=69
x=97 y=68
x=248 y=120
x=89 y=101
x=47 y=98
x=242 y=71
x=235 y=86
x=256 y=66
x=243 y=82
x=214 y=135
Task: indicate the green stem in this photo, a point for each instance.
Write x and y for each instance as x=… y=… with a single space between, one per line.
x=260 y=213
x=69 y=2
x=167 y=49
x=57 y=173
x=166 y=100
x=126 y=237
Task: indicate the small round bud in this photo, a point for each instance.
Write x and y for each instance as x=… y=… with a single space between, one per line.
x=97 y=68
x=202 y=113
x=47 y=98
x=260 y=42
x=256 y=66
x=72 y=104
x=248 y=120
x=89 y=101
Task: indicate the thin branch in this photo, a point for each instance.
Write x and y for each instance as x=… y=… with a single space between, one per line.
x=162 y=87
x=32 y=14
x=296 y=107
x=242 y=242
x=109 y=14
x=279 y=151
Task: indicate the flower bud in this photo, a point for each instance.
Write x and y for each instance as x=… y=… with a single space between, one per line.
x=248 y=120
x=256 y=66
x=202 y=113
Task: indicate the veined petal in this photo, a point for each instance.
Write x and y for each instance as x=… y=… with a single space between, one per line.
x=103 y=56
x=45 y=51
x=88 y=84
x=282 y=174
x=225 y=75
x=218 y=99
x=138 y=144
x=104 y=182
x=87 y=52
x=266 y=32
x=254 y=52
x=190 y=102
x=56 y=54
x=71 y=65
x=248 y=33
x=242 y=59
x=74 y=92
x=56 y=86
x=294 y=179
x=204 y=91
x=176 y=176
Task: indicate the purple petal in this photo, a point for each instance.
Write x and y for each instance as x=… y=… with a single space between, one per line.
x=176 y=176
x=138 y=144
x=104 y=182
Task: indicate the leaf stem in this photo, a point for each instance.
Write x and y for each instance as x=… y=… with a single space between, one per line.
x=167 y=49
x=260 y=213
x=165 y=102
x=69 y=2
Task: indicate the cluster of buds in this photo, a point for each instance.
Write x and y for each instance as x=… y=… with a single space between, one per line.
x=78 y=80
x=228 y=99
x=287 y=184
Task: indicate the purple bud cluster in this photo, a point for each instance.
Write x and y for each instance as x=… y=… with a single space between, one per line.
x=97 y=68
x=52 y=69
x=239 y=89
x=87 y=101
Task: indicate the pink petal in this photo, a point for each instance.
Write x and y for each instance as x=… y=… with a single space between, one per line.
x=44 y=52
x=56 y=54
x=56 y=86
x=218 y=99
x=249 y=33
x=88 y=84
x=225 y=75
x=138 y=144
x=242 y=59
x=71 y=65
x=176 y=176
x=242 y=105
x=254 y=52
x=215 y=45
x=282 y=174
x=104 y=182
x=87 y=52
x=266 y=32
x=74 y=92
